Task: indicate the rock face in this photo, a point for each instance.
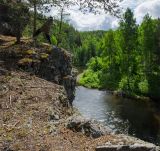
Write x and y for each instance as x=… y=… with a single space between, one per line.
x=90 y=128
x=127 y=148
x=55 y=67
x=58 y=68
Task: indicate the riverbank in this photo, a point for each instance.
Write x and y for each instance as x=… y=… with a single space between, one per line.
x=117 y=93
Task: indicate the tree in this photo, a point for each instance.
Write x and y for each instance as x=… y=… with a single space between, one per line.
x=157 y=38
x=96 y=6
x=129 y=33
x=91 y=5
x=38 y=5
x=63 y=5
x=149 y=44
x=15 y=22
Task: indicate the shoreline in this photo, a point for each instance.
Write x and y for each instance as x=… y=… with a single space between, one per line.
x=117 y=93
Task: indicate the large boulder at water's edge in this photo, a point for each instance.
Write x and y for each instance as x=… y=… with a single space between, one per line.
x=90 y=128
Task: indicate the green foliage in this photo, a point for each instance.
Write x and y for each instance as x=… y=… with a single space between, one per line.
x=44 y=55
x=128 y=60
x=95 y=64
x=30 y=52
x=143 y=86
x=53 y=40
x=90 y=47
x=90 y=79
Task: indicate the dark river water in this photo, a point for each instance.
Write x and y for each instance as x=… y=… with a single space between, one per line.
x=137 y=118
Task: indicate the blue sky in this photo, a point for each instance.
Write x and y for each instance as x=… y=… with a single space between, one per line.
x=85 y=22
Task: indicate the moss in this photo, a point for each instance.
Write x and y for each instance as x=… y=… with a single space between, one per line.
x=30 y=52
x=49 y=50
x=25 y=61
x=8 y=139
x=44 y=55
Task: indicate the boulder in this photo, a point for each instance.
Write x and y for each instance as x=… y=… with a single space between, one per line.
x=91 y=128
x=3 y=71
x=149 y=147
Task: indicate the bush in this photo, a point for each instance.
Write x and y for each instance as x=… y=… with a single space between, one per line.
x=90 y=79
x=53 y=40
x=143 y=87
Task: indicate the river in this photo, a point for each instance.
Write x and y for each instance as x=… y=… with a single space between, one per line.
x=132 y=117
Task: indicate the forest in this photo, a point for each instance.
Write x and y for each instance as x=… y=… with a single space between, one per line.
x=126 y=59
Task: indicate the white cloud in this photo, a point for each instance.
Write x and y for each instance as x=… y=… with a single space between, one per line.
x=104 y=21
x=151 y=7
x=90 y=21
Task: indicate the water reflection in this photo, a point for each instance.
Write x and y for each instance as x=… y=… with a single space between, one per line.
x=137 y=118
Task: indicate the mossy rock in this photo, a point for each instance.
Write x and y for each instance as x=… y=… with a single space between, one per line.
x=30 y=52
x=44 y=56
x=49 y=50
x=26 y=61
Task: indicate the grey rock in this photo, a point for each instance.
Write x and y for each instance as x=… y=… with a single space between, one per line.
x=90 y=128
x=57 y=68
x=54 y=117
x=139 y=147
x=3 y=71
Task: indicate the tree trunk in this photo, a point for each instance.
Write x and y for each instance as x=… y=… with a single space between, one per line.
x=18 y=33
x=35 y=17
x=60 y=27
x=18 y=37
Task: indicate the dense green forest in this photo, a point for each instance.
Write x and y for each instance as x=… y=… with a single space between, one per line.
x=129 y=58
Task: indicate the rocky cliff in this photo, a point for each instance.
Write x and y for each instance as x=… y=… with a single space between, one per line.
x=50 y=63
x=58 y=68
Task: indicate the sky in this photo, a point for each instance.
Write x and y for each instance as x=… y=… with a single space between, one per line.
x=88 y=22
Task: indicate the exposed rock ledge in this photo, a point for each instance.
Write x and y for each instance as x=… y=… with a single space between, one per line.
x=50 y=63
x=54 y=66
